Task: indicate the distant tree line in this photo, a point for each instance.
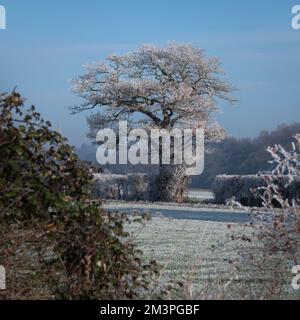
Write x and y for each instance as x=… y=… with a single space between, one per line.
x=244 y=156
x=233 y=156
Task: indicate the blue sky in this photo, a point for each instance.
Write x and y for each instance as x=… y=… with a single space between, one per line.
x=47 y=42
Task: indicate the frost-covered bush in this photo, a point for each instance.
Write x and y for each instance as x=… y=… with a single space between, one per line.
x=239 y=188
x=142 y=187
x=169 y=185
x=131 y=187
x=275 y=235
x=247 y=190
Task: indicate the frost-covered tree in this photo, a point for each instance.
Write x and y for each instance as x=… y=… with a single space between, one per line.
x=164 y=88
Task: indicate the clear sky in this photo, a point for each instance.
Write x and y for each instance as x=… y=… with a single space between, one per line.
x=47 y=43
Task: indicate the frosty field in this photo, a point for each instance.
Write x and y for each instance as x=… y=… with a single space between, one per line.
x=201 y=253
x=196 y=251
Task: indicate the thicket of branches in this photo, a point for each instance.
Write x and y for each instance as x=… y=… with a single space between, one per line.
x=276 y=229
x=54 y=241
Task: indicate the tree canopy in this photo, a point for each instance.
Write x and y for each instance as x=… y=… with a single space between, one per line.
x=176 y=86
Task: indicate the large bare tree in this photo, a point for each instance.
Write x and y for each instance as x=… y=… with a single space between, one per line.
x=165 y=88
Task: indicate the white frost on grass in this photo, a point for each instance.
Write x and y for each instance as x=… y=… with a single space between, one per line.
x=184 y=248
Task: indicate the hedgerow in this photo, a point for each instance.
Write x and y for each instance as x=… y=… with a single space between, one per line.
x=55 y=242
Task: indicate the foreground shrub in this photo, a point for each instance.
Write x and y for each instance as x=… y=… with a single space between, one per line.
x=54 y=241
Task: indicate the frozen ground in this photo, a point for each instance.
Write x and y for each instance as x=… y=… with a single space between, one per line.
x=184 y=248
x=201 y=253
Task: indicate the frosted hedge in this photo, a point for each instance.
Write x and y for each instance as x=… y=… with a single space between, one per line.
x=246 y=189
